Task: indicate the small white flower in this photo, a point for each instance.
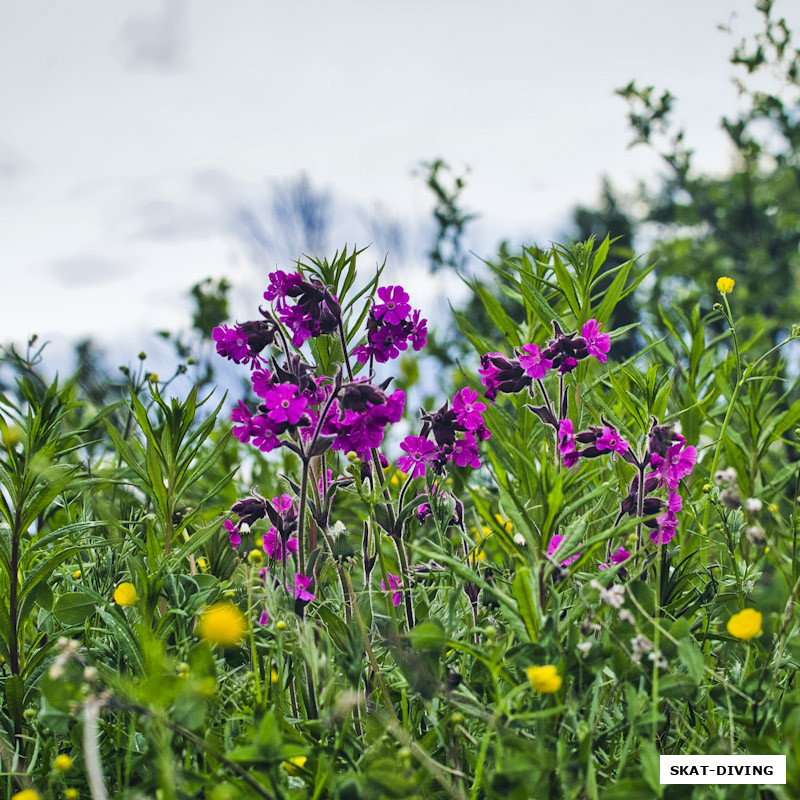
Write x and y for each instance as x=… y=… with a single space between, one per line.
x=613 y=596
x=90 y=674
x=585 y=647
x=659 y=659
x=519 y=540
x=56 y=671
x=626 y=616
x=730 y=475
x=753 y=505
x=749 y=586
x=640 y=645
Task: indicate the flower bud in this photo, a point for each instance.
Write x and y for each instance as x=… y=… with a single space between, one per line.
x=707 y=488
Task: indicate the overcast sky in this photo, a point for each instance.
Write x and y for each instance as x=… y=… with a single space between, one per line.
x=134 y=136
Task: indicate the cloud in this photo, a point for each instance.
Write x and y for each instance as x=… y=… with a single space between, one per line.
x=86 y=271
x=157 y=42
x=13 y=165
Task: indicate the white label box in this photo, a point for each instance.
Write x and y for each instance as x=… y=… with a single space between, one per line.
x=764 y=770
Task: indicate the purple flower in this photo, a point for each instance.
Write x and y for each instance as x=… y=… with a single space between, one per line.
x=244 y=429
x=572 y=458
x=419 y=331
x=387 y=342
x=465 y=452
x=395 y=307
x=668 y=521
x=233 y=533
x=675 y=465
x=283 y=406
x=617 y=557
x=296 y=319
x=567 y=365
x=280 y=283
x=301 y=584
x=232 y=343
x=610 y=439
x=501 y=374
x=264 y=434
x=273 y=546
x=533 y=362
x=566 y=437
x=468 y=408
x=264 y=618
x=419 y=452
x=394 y=586
x=262 y=381
x=597 y=344
x=553 y=545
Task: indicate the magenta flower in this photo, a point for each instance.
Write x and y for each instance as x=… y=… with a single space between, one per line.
x=675 y=465
x=283 y=405
x=533 y=362
x=617 y=557
x=567 y=365
x=262 y=381
x=386 y=343
x=468 y=408
x=243 y=419
x=465 y=452
x=394 y=586
x=273 y=546
x=233 y=533
x=566 y=437
x=395 y=307
x=610 y=439
x=301 y=584
x=597 y=344
x=668 y=521
x=572 y=458
x=282 y=503
x=232 y=343
x=553 y=545
x=264 y=618
x=264 y=434
x=419 y=331
x=419 y=452
x=280 y=283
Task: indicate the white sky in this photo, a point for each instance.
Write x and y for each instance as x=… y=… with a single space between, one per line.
x=129 y=132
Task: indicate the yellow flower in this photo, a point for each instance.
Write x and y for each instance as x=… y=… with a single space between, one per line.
x=745 y=625
x=544 y=679
x=294 y=765
x=273 y=676
x=222 y=624
x=725 y=285
x=125 y=594
x=202 y=564
x=71 y=794
x=255 y=556
x=76 y=575
x=504 y=523
x=26 y=794
x=398 y=477
x=62 y=762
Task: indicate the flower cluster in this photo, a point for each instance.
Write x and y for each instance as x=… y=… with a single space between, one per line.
x=599 y=441
x=501 y=374
x=456 y=431
x=391 y=326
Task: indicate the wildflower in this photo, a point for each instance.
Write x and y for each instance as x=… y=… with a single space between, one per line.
x=597 y=344
x=640 y=645
x=264 y=618
x=752 y=505
x=255 y=556
x=658 y=657
x=222 y=624
x=730 y=498
x=609 y=439
x=617 y=557
x=519 y=540
x=233 y=533
x=566 y=437
x=501 y=374
x=26 y=794
x=232 y=343
x=202 y=564
x=419 y=451
x=283 y=406
x=585 y=647
x=613 y=596
x=125 y=594
x=62 y=763
x=468 y=409
x=71 y=794
x=294 y=765
x=565 y=350
x=533 y=362
x=667 y=522
x=554 y=544
x=465 y=452
x=76 y=575
x=676 y=463
x=544 y=679
x=725 y=285
x=273 y=545
x=301 y=584
x=626 y=616
x=755 y=534
x=394 y=585
x=745 y=625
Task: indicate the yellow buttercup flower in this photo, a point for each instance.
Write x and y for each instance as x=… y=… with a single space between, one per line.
x=544 y=679
x=76 y=575
x=202 y=564
x=222 y=624
x=62 y=762
x=26 y=794
x=294 y=765
x=504 y=523
x=398 y=478
x=273 y=676
x=125 y=594
x=725 y=285
x=71 y=794
x=745 y=625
